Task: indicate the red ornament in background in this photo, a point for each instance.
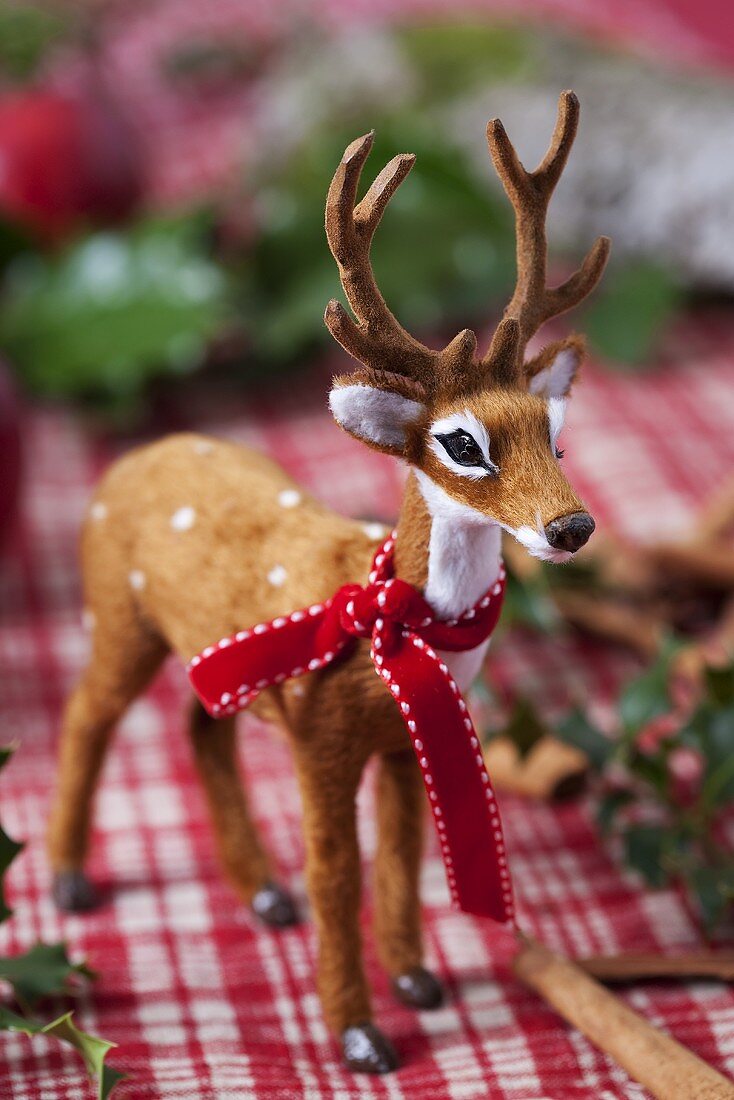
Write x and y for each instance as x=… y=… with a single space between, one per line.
x=10 y=453
x=67 y=159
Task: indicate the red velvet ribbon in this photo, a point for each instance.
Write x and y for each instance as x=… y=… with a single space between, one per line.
x=405 y=637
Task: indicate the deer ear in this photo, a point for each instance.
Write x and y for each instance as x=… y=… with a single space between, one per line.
x=553 y=372
x=379 y=410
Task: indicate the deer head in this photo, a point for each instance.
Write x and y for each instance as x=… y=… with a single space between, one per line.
x=480 y=432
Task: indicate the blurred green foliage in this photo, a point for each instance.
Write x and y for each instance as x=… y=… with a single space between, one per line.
x=625 y=319
x=113 y=310
x=456 y=57
x=444 y=252
x=100 y=317
x=27 y=31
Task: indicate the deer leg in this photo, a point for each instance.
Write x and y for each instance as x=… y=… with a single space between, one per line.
x=240 y=849
x=333 y=879
x=400 y=818
x=120 y=668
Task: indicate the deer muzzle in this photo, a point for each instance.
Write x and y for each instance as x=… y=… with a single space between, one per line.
x=570 y=532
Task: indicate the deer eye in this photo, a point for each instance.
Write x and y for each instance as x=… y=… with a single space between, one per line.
x=462 y=448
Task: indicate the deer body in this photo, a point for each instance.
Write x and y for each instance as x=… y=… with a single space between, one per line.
x=190 y=540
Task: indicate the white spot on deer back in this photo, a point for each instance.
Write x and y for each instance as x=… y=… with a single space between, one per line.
x=203 y=446
x=89 y=619
x=289 y=498
x=183 y=519
x=277 y=576
x=137 y=579
x=98 y=511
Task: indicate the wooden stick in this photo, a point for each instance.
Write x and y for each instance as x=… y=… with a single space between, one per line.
x=710 y=565
x=666 y=1069
x=638 y=965
x=606 y=618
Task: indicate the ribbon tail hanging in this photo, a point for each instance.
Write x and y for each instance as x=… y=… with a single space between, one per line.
x=459 y=790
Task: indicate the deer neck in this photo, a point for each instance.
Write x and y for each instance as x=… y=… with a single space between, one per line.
x=443 y=550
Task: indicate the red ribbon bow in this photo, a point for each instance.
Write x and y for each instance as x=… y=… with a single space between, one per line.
x=405 y=636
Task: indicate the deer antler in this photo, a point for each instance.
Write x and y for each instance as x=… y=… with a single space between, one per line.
x=533 y=302
x=376 y=339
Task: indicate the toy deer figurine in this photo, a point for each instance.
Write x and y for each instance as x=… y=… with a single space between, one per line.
x=208 y=550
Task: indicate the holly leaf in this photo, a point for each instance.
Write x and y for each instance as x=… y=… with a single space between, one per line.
x=576 y=729
x=645 y=698
x=609 y=806
x=109 y=312
x=528 y=603
x=645 y=848
x=11 y=1021
x=44 y=971
x=92 y=1049
x=9 y=849
x=719 y=684
x=6 y=751
x=713 y=890
x=524 y=727
x=718 y=790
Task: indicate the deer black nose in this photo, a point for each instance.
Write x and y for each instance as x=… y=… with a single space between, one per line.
x=570 y=532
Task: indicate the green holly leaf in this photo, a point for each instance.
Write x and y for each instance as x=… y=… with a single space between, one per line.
x=109 y=312
x=719 y=684
x=6 y=751
x=645 y=698
x=524 y=727
x=92 y=1049
x=718 y=790
x=528 y=603
x=11 y=1021
x=9 y=849
x=609 y=806
x=645 y=849
x=713 y=890
x=44 y=971
x=576 y=729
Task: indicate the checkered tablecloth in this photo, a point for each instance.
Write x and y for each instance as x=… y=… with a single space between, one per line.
x=205 y=1003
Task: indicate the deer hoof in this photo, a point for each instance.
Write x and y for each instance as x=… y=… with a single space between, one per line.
x=418 y=988
x=367 y=1050
x=73 y=892
x=274 y=906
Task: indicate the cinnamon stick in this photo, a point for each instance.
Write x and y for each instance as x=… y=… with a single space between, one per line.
x=709 y=564
x=550 y=770
x=666 y=1069
x=631 y=965
x=606 y=618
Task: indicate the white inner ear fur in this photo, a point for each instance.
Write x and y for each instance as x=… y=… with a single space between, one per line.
x=556 y=379
x=374 y=415
x=464 y=421
x=556 y=417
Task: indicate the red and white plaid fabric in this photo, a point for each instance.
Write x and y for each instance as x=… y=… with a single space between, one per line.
x=203 y=1001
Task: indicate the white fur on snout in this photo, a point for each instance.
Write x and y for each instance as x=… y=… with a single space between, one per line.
x=536 y=543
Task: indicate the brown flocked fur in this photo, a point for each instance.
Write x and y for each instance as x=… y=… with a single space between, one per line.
x=191 y=539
